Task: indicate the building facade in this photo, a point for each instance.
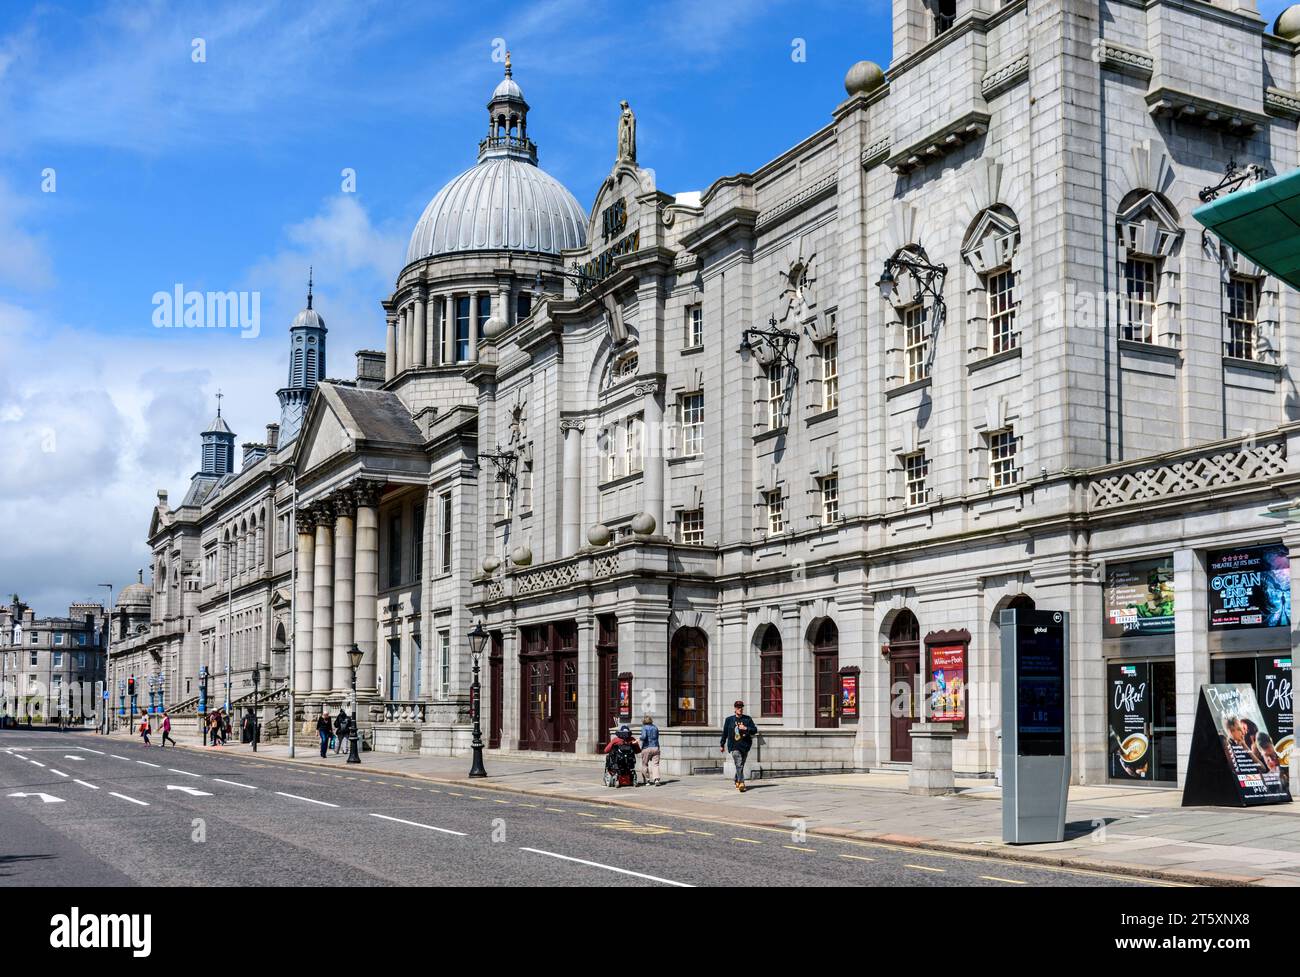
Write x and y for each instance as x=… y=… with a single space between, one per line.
x=51 y=668
x=800 y=438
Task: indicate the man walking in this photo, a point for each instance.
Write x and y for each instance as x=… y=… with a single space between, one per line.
x=737 y=736
x=340 y=731
x=649 y=751
x=324 y=727
x=166 y=730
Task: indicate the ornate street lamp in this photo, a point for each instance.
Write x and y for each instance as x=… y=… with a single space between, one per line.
x=203 y=701
x=770 y=343
x=478 y=639
x=257 y=677
x=354 y=659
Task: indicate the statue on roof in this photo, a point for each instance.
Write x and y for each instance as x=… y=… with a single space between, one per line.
x=626 y=134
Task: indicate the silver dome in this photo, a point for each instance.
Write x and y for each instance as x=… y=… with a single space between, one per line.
x=309 y=318
x=500 y=203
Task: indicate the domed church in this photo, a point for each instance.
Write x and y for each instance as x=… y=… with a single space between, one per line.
x=800 y=438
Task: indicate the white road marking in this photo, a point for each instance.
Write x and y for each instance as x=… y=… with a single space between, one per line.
x=69 y=756
x=416 y=824
x=89 y=750
x=233 y=784
x=59 y=772
x=148 y=764
x=20 y=756
x=307 y=799
x=116 y=757
x=37 y=762
x=924 y=868
x=189 y=790
x=185 y=772
x=609 y=868
x=84 y=784
x=113 y=793
x=45 y=798
x=994 y=878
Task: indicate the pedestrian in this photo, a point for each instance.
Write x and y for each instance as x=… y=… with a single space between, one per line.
x=341 y=729
x=145 y=728
x=225 y=729
x=324 y=727
x=649 y=750
x=166 y=730
x=738 y=735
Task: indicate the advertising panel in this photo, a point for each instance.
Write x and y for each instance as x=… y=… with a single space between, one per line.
x=1139 y=598
x=1249 y=587
x=948 y=683
x=1129 y=703
x=1040 y=683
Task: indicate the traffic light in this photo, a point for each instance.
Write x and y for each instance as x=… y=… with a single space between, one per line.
x=130 y=685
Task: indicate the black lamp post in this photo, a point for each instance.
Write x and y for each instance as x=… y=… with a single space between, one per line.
x=477 y=642
x=354 y=659
x=256 y=679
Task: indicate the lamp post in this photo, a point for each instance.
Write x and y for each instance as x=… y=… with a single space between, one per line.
x=477 y=641
x=103 y=704
x=354 y=659
x=203 y=701
x=253 y=731
x=230 y=610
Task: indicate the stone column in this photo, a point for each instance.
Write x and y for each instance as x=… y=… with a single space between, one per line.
x=653 y=460
x=305 y=521
x=590 y=735
x=390 y=348
x=322 y=623
x=571 y=520
x=1191 y=646
x=417 y=333
x=366 y=629
x=434 y=316
x=404 y=339
x=344 y=568
x=473 y=328
x=448 y=330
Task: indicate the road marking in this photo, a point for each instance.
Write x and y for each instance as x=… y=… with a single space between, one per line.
x=20 y=756
x=59 y=772
x=116 y=757
x=707 y=834
x=233 y=784
x=748 y=841
x=84 y=784
x=45 y=798
x=560 y=810
x=189 y=790
x=797 y=848
x=37 y=762
x=416 y=824
x=924 y=868
x=113 y=793
x=994 y=878
x=185 y=772
x=454 y=794
x=307 y=799
x=584 y=814
x=495 y=800
x=148 y=764
x=528 y=805
x=69 y=756
x=89 y=750
x=858 y=858
x=609 y=868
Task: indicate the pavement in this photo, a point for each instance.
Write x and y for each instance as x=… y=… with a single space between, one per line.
x=1138 y=832
x=82 y=809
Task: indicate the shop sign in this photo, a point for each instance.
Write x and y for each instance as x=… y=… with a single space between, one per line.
x=1233 y=761
x=1129 y=716
x=1273 y=690
x=1139 y=598
x=948 y=684
x=591 y=273
x=1249 y=587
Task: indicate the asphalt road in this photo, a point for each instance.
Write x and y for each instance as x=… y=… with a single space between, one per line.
x=117 y=813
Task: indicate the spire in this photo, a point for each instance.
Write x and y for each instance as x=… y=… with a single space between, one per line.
x=219 y=396
x=508 y=73
x=309 y=267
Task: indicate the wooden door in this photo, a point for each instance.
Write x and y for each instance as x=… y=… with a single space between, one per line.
x=688 y=681
x=539 y=689
x=826 y=670
x=496 y=689
x=904 y=661
x=566 y=713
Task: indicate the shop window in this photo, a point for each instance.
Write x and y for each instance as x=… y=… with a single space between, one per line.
x=689 y=678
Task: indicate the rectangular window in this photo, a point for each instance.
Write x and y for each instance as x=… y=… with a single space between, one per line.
x=58 y=637
x=690 y=527
x=58 y=659
x=692 y=408
x=395 y=551
x=526 y=487
x=33 y=657
x=916 y=342
x=830 y=357
x=444 y=522
x=417 y=673
x=694 y=327
x=830 y=489
x=610 y=436
x=483 y=312
x=444 y=664
x=775 y=503
x=1002 y=311
x=417 y=544
x=523 y=306
x=1138 y=306
x=1242 y=301
x=633 y=434
x=771 y=680
x=462 y=328
x=1002 y=458
x=775 y=374
x=81 y=640
x=916 y=467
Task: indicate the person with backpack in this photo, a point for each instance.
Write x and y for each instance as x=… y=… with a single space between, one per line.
x=738 y=734
x=341 y=730
x=145 y=728
x=166 y=731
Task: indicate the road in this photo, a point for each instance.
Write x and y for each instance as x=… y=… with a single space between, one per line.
x=112 y=812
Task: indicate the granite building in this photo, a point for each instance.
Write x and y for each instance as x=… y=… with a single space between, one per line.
x=51 y=667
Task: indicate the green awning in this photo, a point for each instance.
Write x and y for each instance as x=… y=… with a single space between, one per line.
x=1262 y=222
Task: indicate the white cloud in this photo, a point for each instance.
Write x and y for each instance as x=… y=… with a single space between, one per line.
x=24 y=262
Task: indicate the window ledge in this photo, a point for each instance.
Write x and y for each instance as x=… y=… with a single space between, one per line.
x=1155 y=349
x=907 y=388
x=617 y=482
x=692 y=350
x=825 y=415
x=769 y=435
x=986 y=361
x=1253 y=366
x=683 y=459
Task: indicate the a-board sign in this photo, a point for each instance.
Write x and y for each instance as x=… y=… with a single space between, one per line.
x=1233 y=760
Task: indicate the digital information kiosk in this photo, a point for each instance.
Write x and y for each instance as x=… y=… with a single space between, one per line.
x=1035 y=725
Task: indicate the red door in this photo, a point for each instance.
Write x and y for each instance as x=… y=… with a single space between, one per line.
x=566 y=727
x=827 y=670
x=539 y=690
x=903 y=663
x=496 y=689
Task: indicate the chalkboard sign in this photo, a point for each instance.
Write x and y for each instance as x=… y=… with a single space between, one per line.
x=1040 y=683
x=1233 y=761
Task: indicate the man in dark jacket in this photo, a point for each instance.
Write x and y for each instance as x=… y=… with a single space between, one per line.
x=324 y=726
x=341 y=731
x=738 y=734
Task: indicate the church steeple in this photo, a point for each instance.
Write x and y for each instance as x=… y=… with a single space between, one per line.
x=306 y=366
x=218 y=446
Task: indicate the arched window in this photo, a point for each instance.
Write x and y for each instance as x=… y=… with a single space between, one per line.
x=904 y=664
x=688 y=679
x=905 y=628
x=1022 y=602
x=826 y=674
x=771 y=672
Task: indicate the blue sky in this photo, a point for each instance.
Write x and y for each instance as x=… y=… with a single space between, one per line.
x=225 y=173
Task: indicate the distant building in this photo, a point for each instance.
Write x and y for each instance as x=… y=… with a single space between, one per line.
x=51 y=666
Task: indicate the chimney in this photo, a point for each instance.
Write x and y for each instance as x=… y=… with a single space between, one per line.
x=370 y=369
x=162 y=497
x=273 y=437
x=253 y=453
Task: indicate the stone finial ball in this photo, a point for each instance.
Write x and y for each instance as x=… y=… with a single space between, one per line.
x=863 y=77
x=521 y=556
x=643 y=524
x=598 y=535
x=490 y=564
x=1287 y=24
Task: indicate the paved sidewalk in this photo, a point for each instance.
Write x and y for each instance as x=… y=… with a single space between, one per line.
x=1132 y=831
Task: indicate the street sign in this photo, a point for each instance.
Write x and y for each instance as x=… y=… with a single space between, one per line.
x=105 y=695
